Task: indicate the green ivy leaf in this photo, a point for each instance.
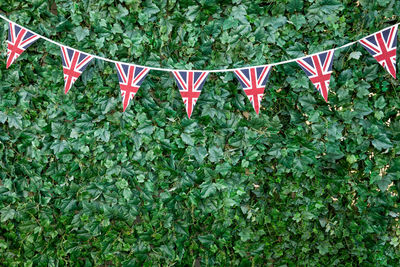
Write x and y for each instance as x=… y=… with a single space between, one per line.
x=187 y=139
x=298 y=21
x=151 y=8
x=15 y=120
x=380 y=103
x=81 y=33
x=382 y=142
x=3 y=117
x=362 y=89
x=245 y=235
x=102 y=134
x=223 y=168
x=59 y=146
x=192 y=12
x=384 y=183
x=215 y=154
x=206 y=239
x=294 y=5
x=355 y=55
x=199 y=153
x=7 y=214
x=208 y=190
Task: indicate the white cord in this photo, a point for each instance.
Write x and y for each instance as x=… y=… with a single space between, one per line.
x=170 y=70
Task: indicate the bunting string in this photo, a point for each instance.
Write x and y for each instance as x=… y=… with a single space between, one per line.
x=171 y=70
x=318 y=67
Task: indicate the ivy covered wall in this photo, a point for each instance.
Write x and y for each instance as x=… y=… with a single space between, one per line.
x=305 y=183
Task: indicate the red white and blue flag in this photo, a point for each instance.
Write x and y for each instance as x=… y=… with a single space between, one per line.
x=74 y=63
x=319 y=69
x=19 y=39
x=253 y=81
x=130 y=78
x=382 y=46
x=190 y=84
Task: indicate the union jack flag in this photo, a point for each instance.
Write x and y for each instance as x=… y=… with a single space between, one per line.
x=130 y=78
x=19 y=39
x=190 y=84
x=253 y=81
x=382 y=46
x=74 y=63
x=319 y=69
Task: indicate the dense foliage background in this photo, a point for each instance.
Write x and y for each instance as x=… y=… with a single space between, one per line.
x=303 y=183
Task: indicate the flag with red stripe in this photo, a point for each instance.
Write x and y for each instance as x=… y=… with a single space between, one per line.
x=19 y=39
x=382 y=46
x=319 y=69
x=130 y=78
x=74 y=63
x=253 y=81
x=190 y=84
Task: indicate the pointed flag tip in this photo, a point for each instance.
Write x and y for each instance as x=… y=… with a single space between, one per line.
x=8 y=63
x=130 y=78
x=382 y=46
x=74 y=63
x=318 y=69
x=190 y=84
x=19 y=39
x=253 y=81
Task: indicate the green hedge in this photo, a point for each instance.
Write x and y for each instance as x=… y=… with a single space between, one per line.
x=304 y=183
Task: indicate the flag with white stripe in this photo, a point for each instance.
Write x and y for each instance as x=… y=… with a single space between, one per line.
x=382 y=46
x=74 y=63
x=19 y=39
x=190 y=84
x=253 y=81
x=318 y=68
x=130 y=78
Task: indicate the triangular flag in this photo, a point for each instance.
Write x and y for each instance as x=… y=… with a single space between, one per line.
x=253 y=81
x=19 y=39
x=319 y=69
x=382 y=46
x=130 y=78
x=190 y=84
x=74 y=63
